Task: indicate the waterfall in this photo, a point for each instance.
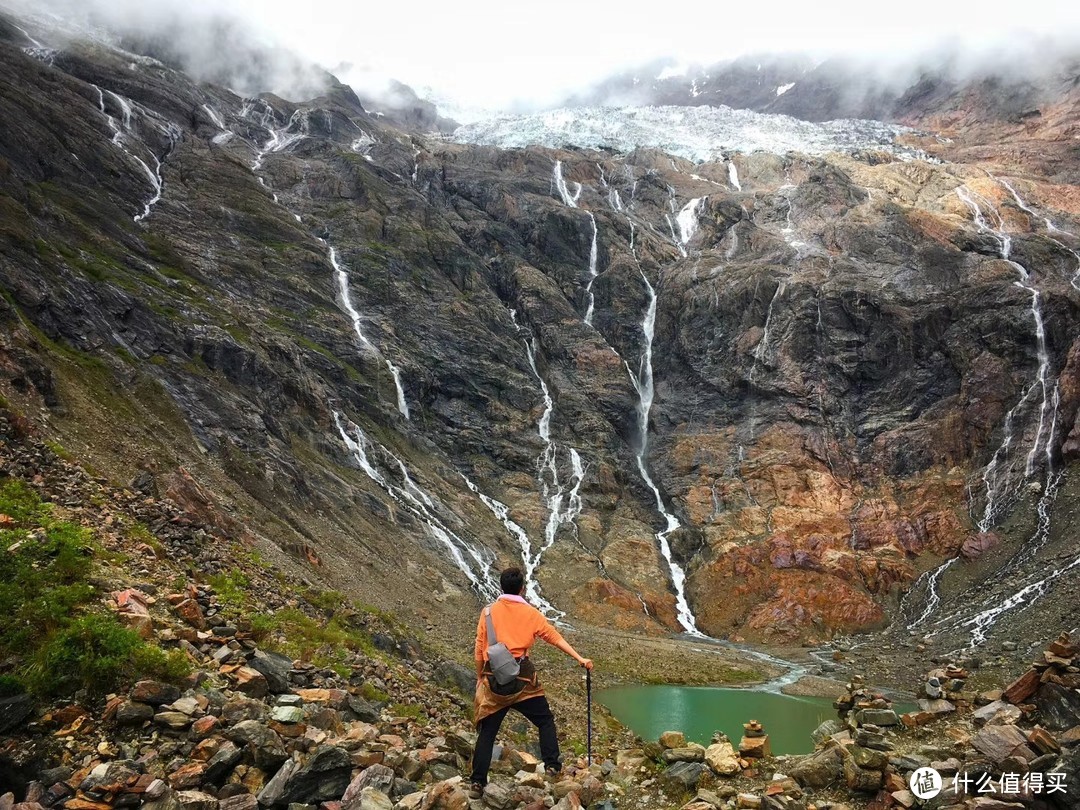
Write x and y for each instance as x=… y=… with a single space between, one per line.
x=733 y=176
x=564 y=192
x=124 y=131
x=592 y=273
x=998 y=475
x=341 y=276
x=933 y=595
x=532 y=587
x=688 y=222
x=475 y=563
x=643 y=384
x=998 y=483
x=552 y=488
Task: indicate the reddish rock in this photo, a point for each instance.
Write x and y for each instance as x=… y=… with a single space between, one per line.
x=190 y=612
x=976 y=545
x=205 y=726
x=188 y=776
x=1022 y=688
x=251 y=682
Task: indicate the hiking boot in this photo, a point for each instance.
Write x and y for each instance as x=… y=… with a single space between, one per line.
x=476 y=791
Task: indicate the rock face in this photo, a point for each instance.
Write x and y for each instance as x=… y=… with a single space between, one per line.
x=362 y=334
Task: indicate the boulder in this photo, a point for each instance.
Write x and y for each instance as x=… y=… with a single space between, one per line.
x=274 y=667
x=455 y=676
x=251 y=682
x=826 y=730
x=721 y=759
x=1022 y=688
x=133 y=713
x=242 y=801
x=262 y=745
x=1059 y=707
x=196 y=800
x=998 y=742
x=14 y=712
x=861 y=779
x=877 y=717
x=379 y=777
x=997 y=713
x=673 y=739
x=818 y=769
x=154 y=692
x=361 y=710
x=446 y=795
x=220 y=765
x=683 y=775
x=689 y=753
x=273 y=790
x=323 y=778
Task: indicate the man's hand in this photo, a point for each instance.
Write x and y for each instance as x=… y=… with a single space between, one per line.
x=586 y=662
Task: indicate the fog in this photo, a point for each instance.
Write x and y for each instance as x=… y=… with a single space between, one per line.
x=499 y=55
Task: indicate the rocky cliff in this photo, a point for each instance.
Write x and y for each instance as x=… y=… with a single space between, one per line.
x=757 y=397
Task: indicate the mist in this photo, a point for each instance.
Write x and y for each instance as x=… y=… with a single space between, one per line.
x=500 y=56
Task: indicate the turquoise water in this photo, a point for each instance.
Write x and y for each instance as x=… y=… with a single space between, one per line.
x=698 y=711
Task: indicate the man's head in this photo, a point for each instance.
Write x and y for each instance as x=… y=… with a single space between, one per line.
x=512 y=581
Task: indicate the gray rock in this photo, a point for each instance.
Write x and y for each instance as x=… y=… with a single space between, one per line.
x=455 y=676
x=683 y=775
x=155 y=693
x=324 y=778
x=274 y=667
x=273 y=790
x=132 y=713
x=877 y=717
x=14 y=712
x=362 y=710
x=818 y=769
x=999 y=742
x=287 y=714
x=243 y=801
x=196 y=800
x=220 y=765
x=372 y=799
x=262 y=744
x=826 y=730
x=376 y=776
x=997 y=713
x=1059 y=707
x=172 y=720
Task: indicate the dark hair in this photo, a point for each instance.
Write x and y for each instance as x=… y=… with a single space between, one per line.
x=511 y=580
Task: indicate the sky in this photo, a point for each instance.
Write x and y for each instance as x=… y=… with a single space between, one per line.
x=489 y=53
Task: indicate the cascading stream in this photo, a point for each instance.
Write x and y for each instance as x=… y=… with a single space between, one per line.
x=422 y=506
x=124 y=131
x=341 y=276
x=643 y=384
x=1002 y=477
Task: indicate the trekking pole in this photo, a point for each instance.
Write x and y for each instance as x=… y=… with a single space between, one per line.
x=588 y=713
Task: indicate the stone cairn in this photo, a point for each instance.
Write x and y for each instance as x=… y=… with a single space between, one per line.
x=755 y=742
x=943 y=691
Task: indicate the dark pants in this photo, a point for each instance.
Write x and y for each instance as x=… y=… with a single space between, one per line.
x=537 y=712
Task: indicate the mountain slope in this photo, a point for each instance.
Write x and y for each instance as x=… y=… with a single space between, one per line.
x=836 y=347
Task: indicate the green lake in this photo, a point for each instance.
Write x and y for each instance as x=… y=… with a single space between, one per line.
x=698 y=711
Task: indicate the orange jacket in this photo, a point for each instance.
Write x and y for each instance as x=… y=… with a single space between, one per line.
x=517 y=625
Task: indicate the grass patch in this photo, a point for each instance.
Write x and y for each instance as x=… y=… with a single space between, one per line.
x=47 y=619
x=293 y=632
x=231 y=588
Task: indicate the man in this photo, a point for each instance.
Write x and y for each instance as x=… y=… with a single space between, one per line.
x=517 y=624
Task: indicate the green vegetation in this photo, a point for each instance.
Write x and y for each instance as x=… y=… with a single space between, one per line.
x=296 y=634
x=47 y=620
x=231 y=588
